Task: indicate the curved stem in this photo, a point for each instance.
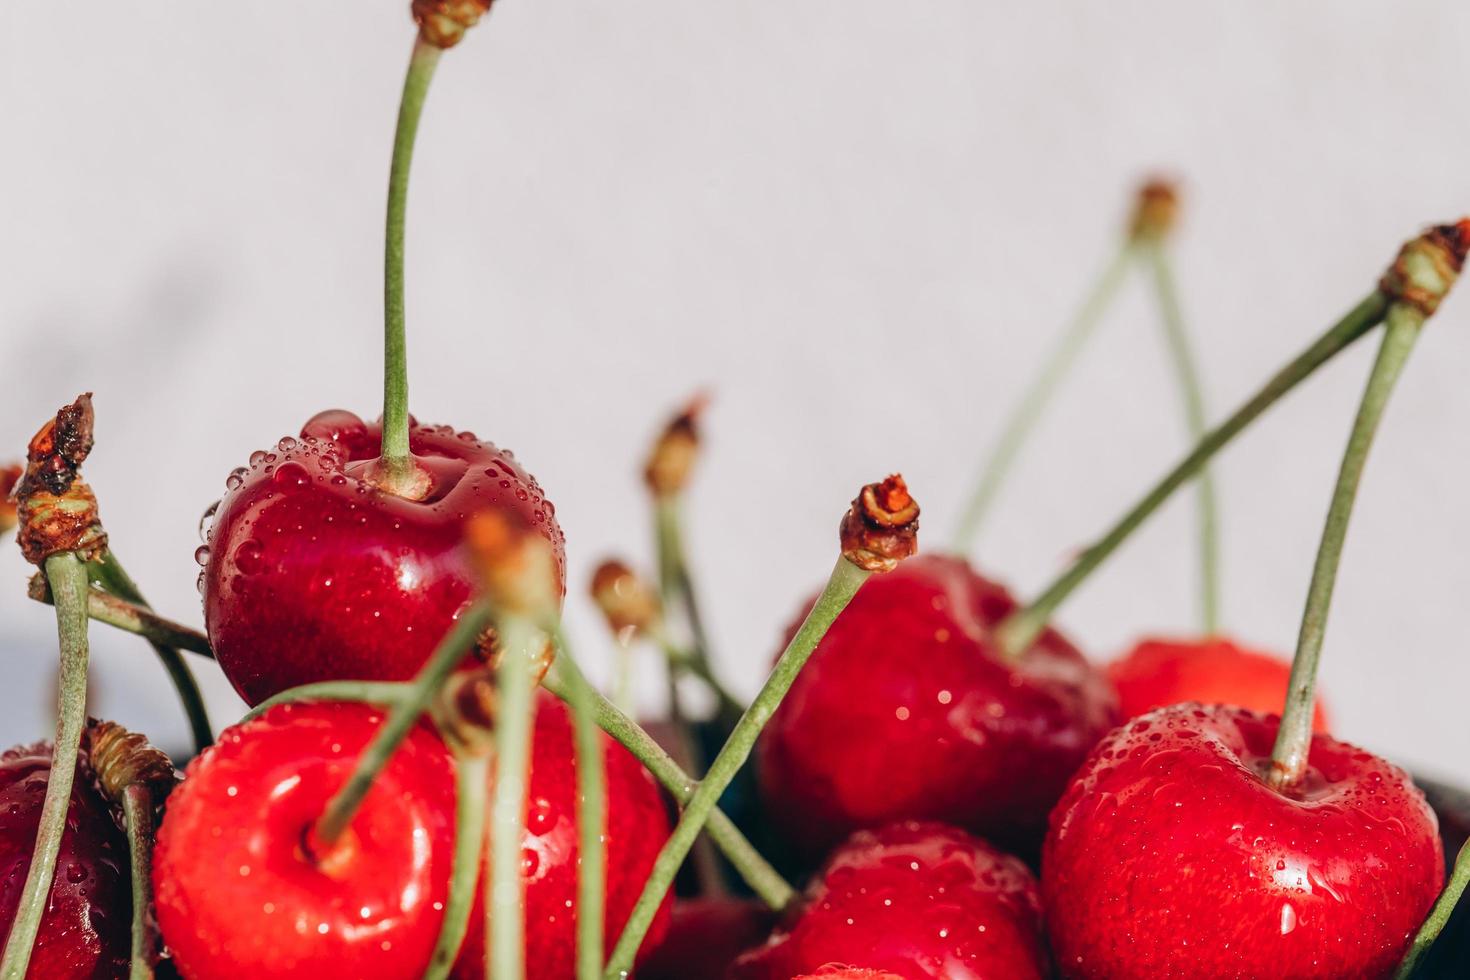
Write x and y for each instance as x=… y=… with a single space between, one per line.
x=1020 y=629
x=1187 y=373
x=368 y=692
x=109 y=573
x=395 y=455
x=1033 y=403
x=472 y=774
x=505 y=908
x=1294 y=736
x=108 y=609
x=68 y=578
x=757 y=872
x=841 y=587
x=138 y=816
x=1439 y=916
x=404 y=714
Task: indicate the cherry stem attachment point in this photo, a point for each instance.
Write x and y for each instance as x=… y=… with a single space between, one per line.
x=522 y=644
x=138 y=807
x=1294 y=736
x=1439 y=916
x=472 y=775
x=67 y=575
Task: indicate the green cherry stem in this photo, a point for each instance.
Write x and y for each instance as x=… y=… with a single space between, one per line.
x=1439 y=916
x=1186 y=371
x=108 y=609
x=676 y=582
x=396 y=463
x=472 y=775
x=1023 y=418
x=1021 y=628
x=843 y=584
x=505 y=910
x=756 y=871
x=385 y=693
x=67 y=575
x=138 y=818
x=1294 y=736
x=109 y=573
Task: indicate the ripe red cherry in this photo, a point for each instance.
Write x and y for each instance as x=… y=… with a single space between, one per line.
x=906 y=710
x=637 y=827
x=1213 y=670
x=313 y=574
x=239 y=891
x=916 y=899
x=1171 y=856
x=85 y=929
x=705 y=935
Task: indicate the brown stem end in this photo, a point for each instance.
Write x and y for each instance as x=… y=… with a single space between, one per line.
x=465 y=711
x=516 y=564
x=1156 y=210
x=1427 y=266
x=671 y=462
x=121 y=759
x=881 y=528
x=628 y=603
x=442 y=23
x=55 y=509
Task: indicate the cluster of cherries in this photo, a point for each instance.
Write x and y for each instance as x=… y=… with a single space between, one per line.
x=919 y=770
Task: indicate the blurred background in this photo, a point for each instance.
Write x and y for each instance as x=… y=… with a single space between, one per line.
x=858 y=224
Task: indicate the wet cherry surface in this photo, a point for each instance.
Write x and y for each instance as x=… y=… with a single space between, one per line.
x=1170 y=856
x=312 y=574
x=917 y=899
x=85 y=929
x=238 y=894
x=1212 y=670
x=905 y=710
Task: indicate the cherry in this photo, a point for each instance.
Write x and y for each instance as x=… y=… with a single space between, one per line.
x=85 y=930
x=637 y=826
x=1213 y=670
x=907 y=710
x=916 y=899
x=312 y=573
x=1171 y=856
x=705 y=935
x=848 y=973
x=239 y=889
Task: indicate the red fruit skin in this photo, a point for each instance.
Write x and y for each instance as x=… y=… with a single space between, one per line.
x=237 y=897
x=1169 y=856
x=848 y=973
x=311 y=574
x=637 y=827
x=85 y=929
x=916 y=899
x=1211 y=670
x=705 y=936
x=906 y=711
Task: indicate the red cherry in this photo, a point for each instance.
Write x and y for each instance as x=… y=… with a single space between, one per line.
x=238 y=891
x=906 y=710
x=916 y=899
x=85 y=929
x=848 y=973
x=1171 y=856
x=637 y=827
x=705 y=935
x=1213 y=670
x=312 y=574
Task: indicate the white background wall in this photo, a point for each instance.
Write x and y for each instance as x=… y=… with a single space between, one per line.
x=858 y=222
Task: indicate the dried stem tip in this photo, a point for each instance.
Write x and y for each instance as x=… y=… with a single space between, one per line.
x=121 y=758
x=1156 y=209
x=672 y=459
x=516 y=565
x=442 y=23
x=881 y=528
x=55 y=509
x=9 y=477
x=465 y=710
x=627 y=602
x=1427 y=267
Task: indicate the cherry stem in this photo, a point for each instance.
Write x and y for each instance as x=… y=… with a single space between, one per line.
x=1294 y=736
x=412 y=701
x=521 y=643
x=1439 y=916
x=729 y=707
x=1018 y=631
x=623 y=671
x=841 y=587
x=109 y=573
x=67 y=575
x=395 y=461
x=1186 y=372
x=472 y=774
x=748 y=862
x=676 y=584
x=138 y=817
x=384 y=693
x=1023 y=418
x=108 y=609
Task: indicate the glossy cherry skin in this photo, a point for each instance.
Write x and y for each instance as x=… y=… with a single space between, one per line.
x=239 y=895
x=1212 y=670
x=637 y=827
x=848 y=973
x=916 y=899
x=85 y=929
x=905 y=711
x=705 y=935
x=312 y=574
x=1170 y=856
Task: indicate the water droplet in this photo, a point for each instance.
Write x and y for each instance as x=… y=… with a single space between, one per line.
x=286 y=445
x=248 y=557
x=257 y=457
x=236 y=477
x=201 y=554
x=291 y=474
x=206 y=521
